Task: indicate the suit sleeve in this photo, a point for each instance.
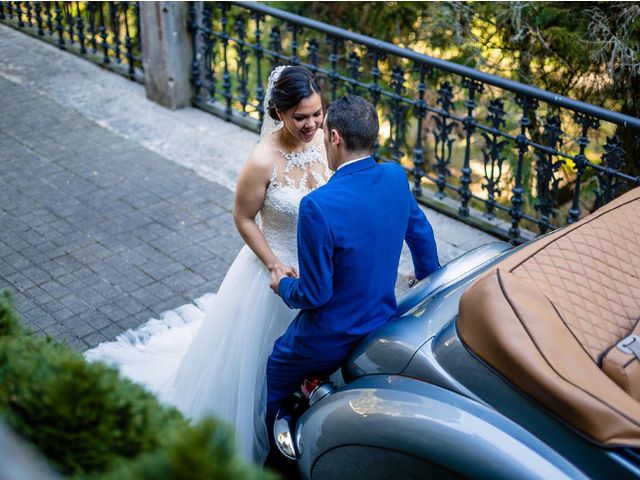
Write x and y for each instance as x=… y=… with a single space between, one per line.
x=314 y=288
x=421 y=241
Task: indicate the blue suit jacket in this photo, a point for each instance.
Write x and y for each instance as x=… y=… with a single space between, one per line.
x=350 y=234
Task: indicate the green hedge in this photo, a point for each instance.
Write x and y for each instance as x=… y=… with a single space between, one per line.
x=91 y=423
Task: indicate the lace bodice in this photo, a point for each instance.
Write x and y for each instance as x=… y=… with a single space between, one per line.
x=294 y=175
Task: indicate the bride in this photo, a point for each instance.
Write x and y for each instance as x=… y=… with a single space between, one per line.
x=211 y=359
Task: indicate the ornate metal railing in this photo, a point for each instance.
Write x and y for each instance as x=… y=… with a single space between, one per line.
x=105 y=32
x=513 y=158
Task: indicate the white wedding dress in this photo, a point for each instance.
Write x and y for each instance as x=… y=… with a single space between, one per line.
x=210 y=358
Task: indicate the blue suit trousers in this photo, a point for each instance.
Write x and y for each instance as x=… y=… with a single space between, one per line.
x=286 y=371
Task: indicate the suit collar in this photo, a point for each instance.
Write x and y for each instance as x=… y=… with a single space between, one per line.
x=363 y=164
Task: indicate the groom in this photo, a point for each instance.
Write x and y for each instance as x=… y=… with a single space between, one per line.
x=350 y=234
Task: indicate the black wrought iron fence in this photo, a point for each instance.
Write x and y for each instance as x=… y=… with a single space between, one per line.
x=105 y=32
x=512 y=157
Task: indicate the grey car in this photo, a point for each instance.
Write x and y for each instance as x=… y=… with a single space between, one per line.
x=507 y=363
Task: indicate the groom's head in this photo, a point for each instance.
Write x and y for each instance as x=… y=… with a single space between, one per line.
x=350 y=129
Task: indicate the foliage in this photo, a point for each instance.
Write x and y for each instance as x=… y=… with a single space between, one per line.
x=81 y=415
x=201 y=452
x=552 y=45
x=10 y=324
x=614 y=40
x=586 y=50
x=87 y=420
x=443 y=26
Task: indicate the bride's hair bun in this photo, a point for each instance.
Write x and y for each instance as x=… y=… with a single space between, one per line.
x=293 y=85
x=272 y=110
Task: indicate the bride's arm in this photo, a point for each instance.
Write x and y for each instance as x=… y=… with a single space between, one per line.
x=251 y=191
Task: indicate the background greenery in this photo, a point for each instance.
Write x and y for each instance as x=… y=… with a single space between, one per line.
x=589 y=51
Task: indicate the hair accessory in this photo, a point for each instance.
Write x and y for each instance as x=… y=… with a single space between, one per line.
x=269 y=125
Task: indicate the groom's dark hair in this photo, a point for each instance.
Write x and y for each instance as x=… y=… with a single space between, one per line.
x=356 y=120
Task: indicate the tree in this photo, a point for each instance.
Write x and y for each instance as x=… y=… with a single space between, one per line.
x=589 y=51
x=614 y=37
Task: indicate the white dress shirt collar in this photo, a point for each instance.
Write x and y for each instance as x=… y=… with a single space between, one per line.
x=351 y=161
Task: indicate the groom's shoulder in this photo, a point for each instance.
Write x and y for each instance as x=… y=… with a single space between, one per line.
x=394 y=174
x=391 y=168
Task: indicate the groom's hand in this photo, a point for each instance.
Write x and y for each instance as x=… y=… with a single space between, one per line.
x=277 y=274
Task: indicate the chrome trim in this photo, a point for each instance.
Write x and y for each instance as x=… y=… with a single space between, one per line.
x=630 y=345
x=299 y=445
x=320 y=392
x=283 y=438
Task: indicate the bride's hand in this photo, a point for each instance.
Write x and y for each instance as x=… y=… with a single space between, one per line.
x=277 y=274
x=276 y=266
x=293 y=273
x=288 y=270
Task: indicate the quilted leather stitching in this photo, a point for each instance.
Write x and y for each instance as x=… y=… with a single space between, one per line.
x=592 y=276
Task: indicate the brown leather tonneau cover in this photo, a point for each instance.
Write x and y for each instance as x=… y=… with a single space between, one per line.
x=545 y=315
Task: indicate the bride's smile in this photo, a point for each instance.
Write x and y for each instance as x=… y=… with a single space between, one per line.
x=302 y=121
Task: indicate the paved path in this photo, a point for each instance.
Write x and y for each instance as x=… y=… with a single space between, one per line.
x=99 y=233
x=112 y=208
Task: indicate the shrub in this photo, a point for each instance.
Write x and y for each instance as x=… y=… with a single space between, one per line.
x=82 y=416
x=10 y=324
x=201 y=452
x=88 y=421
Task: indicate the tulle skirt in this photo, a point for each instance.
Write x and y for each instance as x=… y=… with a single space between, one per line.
x=210 y=358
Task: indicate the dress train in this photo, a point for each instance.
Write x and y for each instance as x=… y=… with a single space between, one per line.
x=210 y=358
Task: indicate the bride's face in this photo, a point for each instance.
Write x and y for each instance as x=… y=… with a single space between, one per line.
x=304 y=120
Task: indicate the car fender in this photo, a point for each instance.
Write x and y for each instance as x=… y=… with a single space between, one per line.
x=421 y=421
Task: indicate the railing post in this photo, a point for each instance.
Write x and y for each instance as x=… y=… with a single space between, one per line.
x=166 y=53
x=198 y=17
